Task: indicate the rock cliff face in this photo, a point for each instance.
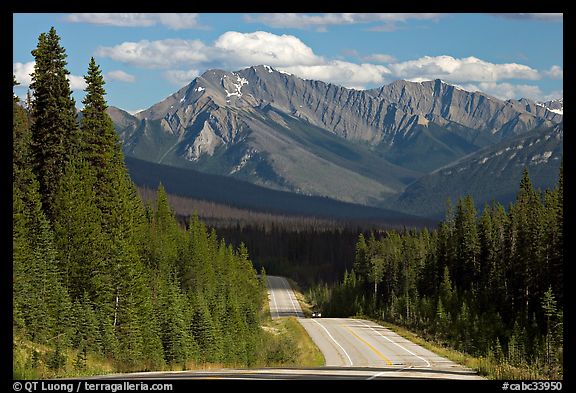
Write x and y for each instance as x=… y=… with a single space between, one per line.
x=275 y=129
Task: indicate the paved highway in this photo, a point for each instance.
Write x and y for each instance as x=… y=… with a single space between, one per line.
x=358 y=343
x=283 y=302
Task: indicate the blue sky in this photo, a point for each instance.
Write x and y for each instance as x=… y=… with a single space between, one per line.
x=147 y=57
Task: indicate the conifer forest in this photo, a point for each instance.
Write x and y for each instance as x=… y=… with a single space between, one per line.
x=96 y=270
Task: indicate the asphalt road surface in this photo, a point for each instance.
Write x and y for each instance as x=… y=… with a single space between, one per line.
x=358 y=343
x=282 y=300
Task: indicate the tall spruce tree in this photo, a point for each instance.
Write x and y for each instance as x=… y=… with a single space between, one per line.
x=467 y=243
x=55 y=137
x=558 y=255
x=100 y=145
x=361 y=263
x=528 y=250
x=21 y=140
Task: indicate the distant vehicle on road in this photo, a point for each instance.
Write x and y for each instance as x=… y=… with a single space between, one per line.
x=316 y=314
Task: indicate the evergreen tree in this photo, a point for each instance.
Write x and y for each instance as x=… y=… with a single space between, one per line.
x=97 y=141
x=178 y=344
x=488 y=247
x=100 y=145
x=549 y=306
x=21 y=141
x=41 y=300
x=79 y=237
x=55 y=134
x=557 y=263
x=205 y=332
x=22 y=284
x=528 y=251
x=446 y=292
x=166 y=238
x=149 y=325
x=361 y=259
x=467 y=243
x=87 y=338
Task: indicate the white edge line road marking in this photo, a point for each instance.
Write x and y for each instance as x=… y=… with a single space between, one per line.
x=384 y=372
x=290 y=293
x=274 y=300
x=376 y=375
x=346 y=353
x=407 y=350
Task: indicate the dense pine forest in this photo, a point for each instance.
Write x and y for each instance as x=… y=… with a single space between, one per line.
x=488 y=284
x=98 y=274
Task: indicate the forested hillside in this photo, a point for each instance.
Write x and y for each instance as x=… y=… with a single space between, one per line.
x=489 y=284
x=98 y=276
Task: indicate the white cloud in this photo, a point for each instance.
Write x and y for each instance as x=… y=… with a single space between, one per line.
x=300 y=21
x=506 y=90
x=119 y=75
x=76 y=82
x=157 y=54
x=461 y=70
x=553 y=95
x=261 y=47
x=22 y=72
x=555 y=72
x=174 y=21
x=181 y=78
x=230 y=50
x=182 y=60
x=179 y=21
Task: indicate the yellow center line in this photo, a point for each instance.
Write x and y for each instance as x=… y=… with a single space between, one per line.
x=377 y=352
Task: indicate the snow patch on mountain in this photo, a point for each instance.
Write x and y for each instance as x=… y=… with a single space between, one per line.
x=541 y=158
x=554 y=106
x=238 y=86
x=245 y=158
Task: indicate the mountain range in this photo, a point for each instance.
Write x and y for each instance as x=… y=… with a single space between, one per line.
x=377 y=147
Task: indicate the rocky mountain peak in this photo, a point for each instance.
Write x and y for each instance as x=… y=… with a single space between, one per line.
x=276 y=129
